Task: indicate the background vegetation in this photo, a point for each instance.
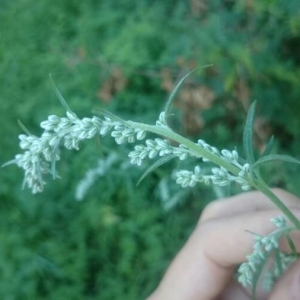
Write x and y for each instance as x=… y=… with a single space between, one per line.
x=127 y=56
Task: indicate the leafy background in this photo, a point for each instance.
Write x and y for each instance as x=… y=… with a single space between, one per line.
x=127 y=57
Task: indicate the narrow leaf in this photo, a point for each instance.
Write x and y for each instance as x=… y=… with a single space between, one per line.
x=275 y=157
x=177 y=87
x=11 y=162
x=248 y=134
x=24 y=128
x=291 y=244
x=269 y=147
x=154 y=166
x=59 y=95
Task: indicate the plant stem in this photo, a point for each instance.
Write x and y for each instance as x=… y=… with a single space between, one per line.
x=194 y=148
x=201 y=152
x=261 y=186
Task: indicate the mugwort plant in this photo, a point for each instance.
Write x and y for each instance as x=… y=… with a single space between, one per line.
x=40 y=155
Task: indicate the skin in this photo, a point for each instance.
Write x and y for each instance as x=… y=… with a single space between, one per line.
x=204 y=268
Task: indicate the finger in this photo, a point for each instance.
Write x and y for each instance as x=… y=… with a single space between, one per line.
x=234 y=233
x=288 y=286
x=246 y=202
x=234 y=291
x=206 y=263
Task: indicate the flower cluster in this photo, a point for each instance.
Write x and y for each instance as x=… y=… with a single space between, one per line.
x=161 y=122
x=275 y=272
x=220 y=176
x=225 y=154
x=41 y=153
x=124 y=134
x=208 y=148
x=92 y=175
x=263 y=248
x=190 y=178
x=157 y=147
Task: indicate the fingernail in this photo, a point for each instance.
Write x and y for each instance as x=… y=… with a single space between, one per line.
x=295 y=287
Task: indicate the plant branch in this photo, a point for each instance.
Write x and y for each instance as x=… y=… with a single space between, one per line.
x=200 y=152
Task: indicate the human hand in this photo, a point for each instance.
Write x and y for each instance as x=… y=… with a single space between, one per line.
x=204 y=268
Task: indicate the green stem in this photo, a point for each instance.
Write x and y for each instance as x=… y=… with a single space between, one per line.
x=201 y=152
x=194 y=148
x=261 y=186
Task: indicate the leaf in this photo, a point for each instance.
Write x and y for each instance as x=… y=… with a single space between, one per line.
x=275 y=157
x=291 y=244
x=269 y=147
x=11 y=162
x=177 y=87
x=248 y=134
x=154 y=166
x=59 y=95
x=24 y=128
x=257 y=274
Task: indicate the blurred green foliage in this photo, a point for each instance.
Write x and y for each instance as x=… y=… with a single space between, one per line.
x=127 y=56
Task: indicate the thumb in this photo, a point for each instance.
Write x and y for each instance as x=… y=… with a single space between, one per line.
x=288 y=286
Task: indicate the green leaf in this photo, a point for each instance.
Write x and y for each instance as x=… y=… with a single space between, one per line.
x=11 y=162
x=291 y=244
x=257 y=274
x=154 y=166
x=24 y=128
x=174 y=92
x=59 y=95
x=248 y=134
x=269 y=147
x=275 y=157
